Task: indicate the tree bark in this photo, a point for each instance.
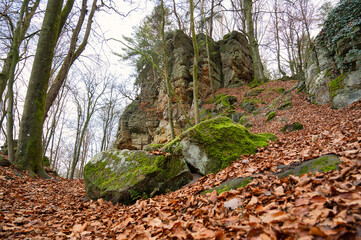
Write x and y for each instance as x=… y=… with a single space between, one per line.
x=278 y=40
x=176 y=15
x=29 y=153
x=256 y=58
x=23 y=25
x=73 y=54
x=14 y=61
x=195 y=64
x=166 y=75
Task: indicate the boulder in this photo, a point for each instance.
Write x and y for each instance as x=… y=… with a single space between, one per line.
x=125 y=175
x=249 y=106
x=212 y=145
x=292 y=127
x=4 y=162
x=322 y=164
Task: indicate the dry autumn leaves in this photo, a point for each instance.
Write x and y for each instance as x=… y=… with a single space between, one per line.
x=319 y=206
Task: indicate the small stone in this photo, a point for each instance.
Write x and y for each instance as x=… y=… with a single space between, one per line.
x=232 y=204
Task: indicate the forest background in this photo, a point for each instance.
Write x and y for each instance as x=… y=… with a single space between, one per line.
x=98 y=84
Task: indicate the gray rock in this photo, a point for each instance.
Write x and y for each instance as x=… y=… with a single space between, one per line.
x=249 y=106
x=322 y=164
x=345 y=98
x=124 y=176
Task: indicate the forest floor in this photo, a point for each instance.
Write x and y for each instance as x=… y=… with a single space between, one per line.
x=319 y=206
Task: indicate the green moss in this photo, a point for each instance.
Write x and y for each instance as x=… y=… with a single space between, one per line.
x=153 y=147
x=335 y=85
x=223 y=141
x=46 y=161
x=292 y=127
x=271 y=116
x=105 y=177
x=280 y=90
x=230 y=185
x=254 y=83
x=254 y=92
x=322 y=164
x=286 y=105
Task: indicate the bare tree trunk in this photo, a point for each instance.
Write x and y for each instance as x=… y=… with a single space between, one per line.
x=176 y=15
x=278 y=39
x=166 y=75
x=23 y=25
x=72 y=55
x=14 y=61
x=257 y=63
x=207 y=47
x=29 y=154
x=211 y=20
x=195 y=64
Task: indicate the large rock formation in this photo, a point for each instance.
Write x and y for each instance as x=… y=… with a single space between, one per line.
x=337 y=76
x=145 y=120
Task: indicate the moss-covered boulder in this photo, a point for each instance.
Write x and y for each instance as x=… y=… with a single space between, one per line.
x=270 y=116
x=292 y=127
x=322 y=164
x=125 y=175
x=230 y=184
x=213 y=144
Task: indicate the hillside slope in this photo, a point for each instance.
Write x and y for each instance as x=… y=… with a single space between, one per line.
x=320 y=206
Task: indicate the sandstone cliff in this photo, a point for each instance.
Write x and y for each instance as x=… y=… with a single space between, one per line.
x=145 y=120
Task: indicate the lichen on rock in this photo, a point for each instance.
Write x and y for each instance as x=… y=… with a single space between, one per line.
x=213 y=144
x=114 y=175
x=322 y=164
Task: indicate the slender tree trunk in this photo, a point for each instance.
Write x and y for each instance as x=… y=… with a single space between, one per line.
x=211 y=20
x=29 y=152
x=257 y=63
x=22 y=27
x=207 y=48
x=176 y=15
x=72 y=55
x=14 y=61
x=195 y=64
x=166 y=75
x=312 y=46
x=278 y=40
x=55 y=160
x=4 y=75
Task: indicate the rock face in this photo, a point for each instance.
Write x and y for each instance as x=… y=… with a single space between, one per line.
x=123 y=176
x=213 y=144
x=337 y=78
x=145 y=120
